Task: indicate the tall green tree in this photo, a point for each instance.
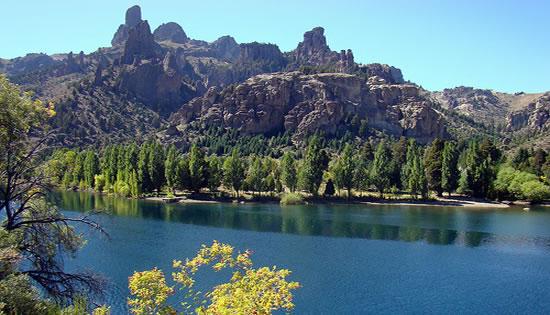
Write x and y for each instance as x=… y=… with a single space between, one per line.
x=362 y=161
x=313 y=166
x=214 y=173
x=143 y=168
x=156 y=166
x=433 y=164
x=198 y=168
x=449 y=168
x=233 y=171
x=288 y=171
x=344 y=169
x=170 y=168
x=255 y=175
x=380 y=171
x=91 y=168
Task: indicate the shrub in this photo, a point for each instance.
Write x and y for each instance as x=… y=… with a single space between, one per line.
x=292 y=199
x=535 y=191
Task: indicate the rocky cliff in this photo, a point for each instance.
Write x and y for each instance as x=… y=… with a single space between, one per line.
x=304 y=104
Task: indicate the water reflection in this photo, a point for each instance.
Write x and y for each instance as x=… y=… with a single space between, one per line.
x=322 y=220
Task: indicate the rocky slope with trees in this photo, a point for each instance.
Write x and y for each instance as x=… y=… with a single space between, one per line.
x=176 y=87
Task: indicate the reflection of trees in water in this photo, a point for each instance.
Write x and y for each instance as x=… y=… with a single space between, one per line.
x=300 y=220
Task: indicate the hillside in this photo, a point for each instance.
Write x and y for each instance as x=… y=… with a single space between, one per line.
x=164 y=83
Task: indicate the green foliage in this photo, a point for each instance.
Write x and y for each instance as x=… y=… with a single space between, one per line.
x=198 y=169
x=291 y=199
x=433 y=164
x=449 y=168
x=233 y=172
x=516 y=184
x=343 y=170
x=288 y=171
x=380 y=171
x=313 y=166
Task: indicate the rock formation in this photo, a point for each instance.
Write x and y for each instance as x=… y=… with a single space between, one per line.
x=133 y=18
x=140 y=44
x=170 y=31
x=303 y=104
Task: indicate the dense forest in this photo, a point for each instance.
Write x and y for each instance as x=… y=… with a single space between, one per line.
x=397 y=168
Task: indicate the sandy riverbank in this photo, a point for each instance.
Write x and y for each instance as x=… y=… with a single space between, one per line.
x=441 y=202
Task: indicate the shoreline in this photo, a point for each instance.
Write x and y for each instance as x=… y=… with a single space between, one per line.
x=441 y=202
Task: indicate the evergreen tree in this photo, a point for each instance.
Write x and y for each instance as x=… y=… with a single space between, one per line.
x=233 y=171
x=344 y=169
x=134 y=184
x=156 y=166
x=143 y=168
x=170 y=167
x=131 y=160
x=91 y=168
x=288 y=171
x=198 y=169
x=398 y=159
x=313 y=166
x=380 y=171
x=182 y=170
x=477 y=174
x=255 y=175
x=363 y=161
x=214 y=173
x=433 y=164
x=449 y=168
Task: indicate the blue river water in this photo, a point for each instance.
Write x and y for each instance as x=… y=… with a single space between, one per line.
x=349 y=259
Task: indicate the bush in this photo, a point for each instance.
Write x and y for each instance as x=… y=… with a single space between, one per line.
x=292 y=199
x=99 y=183
x=535 y=191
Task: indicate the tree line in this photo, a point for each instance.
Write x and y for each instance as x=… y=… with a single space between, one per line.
x=389 y=166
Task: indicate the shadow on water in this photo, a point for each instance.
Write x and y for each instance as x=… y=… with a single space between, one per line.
x=317 y=220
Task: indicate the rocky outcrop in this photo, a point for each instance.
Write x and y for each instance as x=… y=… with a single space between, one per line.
x=170 y=31
x=313 y=51
x=303 y=104
x=133 y=18
x=140 y=44
x=158 y=84
x=226 y=48
x=382 y=74
x=534 y=117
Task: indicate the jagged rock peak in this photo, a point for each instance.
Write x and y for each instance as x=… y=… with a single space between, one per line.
x=140 y=44
x=226 y=47
x=132 y=19
x=170 y=31
x=314 y=41
x=133 y=16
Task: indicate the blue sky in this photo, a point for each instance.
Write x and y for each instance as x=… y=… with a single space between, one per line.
x=496 y=44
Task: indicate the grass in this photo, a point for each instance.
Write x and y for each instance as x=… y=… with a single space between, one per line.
x=292 y=199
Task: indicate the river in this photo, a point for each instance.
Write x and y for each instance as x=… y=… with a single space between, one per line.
x=349 y=259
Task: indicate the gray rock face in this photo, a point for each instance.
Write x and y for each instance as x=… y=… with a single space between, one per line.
x=380 y=73
x=303 y=104
x=226 y=48
x=140 y=44
x=535 y=117
x=133 y=18
x=170 y=31
x=314 y=51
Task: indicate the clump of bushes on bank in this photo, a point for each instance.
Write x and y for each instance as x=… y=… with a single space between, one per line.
x=292 y=199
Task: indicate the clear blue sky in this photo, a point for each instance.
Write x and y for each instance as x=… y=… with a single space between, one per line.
x=496 y=44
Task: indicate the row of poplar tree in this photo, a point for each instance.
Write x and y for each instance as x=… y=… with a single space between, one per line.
x=402 y=165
